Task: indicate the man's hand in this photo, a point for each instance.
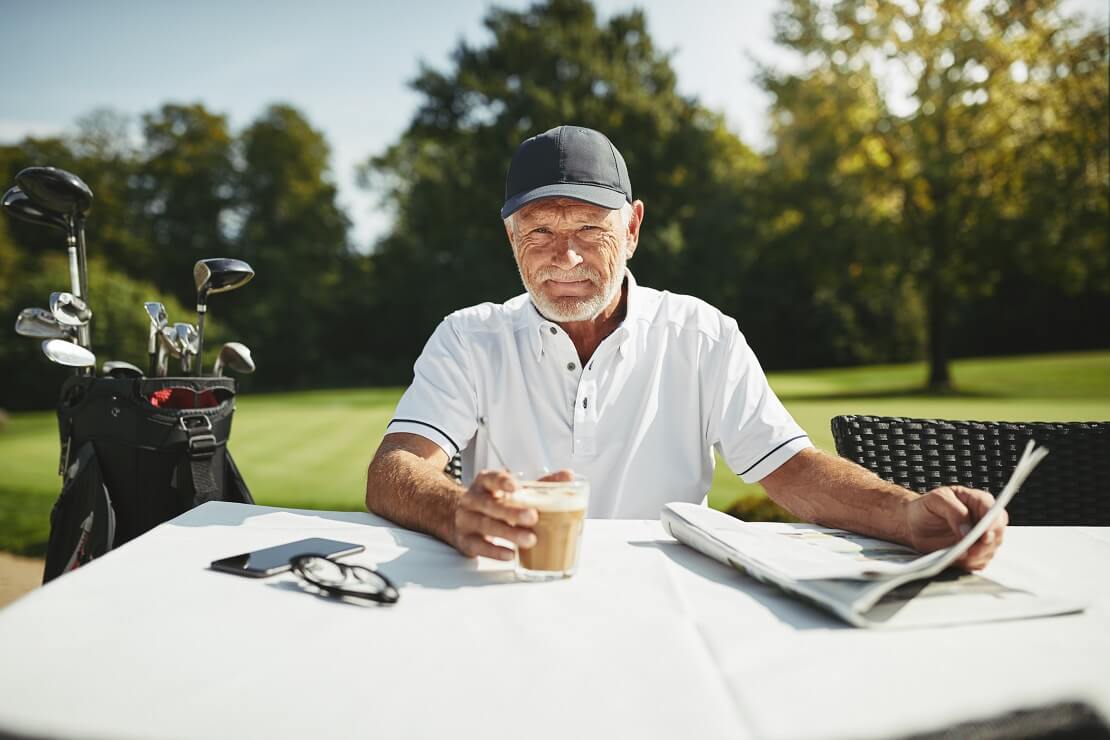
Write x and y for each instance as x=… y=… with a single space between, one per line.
x=941 y=517
x=487 y=510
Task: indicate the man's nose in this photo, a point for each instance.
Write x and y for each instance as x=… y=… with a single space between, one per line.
x=565 y=256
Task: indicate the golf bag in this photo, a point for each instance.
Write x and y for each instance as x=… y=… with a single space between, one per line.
x=129 y=464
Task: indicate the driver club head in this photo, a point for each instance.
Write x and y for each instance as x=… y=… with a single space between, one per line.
x=234 y=356
x=19 y=205
x=38 y=323
x=69 y=310
x=56 y=190
x=120 y=369
x=61 y=352
x=219 y=275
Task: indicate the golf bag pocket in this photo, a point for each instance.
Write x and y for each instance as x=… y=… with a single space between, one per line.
x=83 y=520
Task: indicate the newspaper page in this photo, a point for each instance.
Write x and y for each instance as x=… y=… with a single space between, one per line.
x=866 y=581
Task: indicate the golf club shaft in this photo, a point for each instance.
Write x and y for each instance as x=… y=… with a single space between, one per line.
x=161 y=362
x=82 y=258
x=85 y=332
x=75 y=288
x=152 y=367
x=202 y=311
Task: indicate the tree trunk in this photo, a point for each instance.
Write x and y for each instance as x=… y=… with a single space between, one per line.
x=939 y=378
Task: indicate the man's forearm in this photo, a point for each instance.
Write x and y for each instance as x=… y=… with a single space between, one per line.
x=835 y=492
x=409 y=491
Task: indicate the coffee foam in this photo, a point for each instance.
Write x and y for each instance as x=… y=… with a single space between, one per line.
x=559 y=499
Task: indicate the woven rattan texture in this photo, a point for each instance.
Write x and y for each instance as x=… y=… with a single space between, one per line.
x=1070 y=487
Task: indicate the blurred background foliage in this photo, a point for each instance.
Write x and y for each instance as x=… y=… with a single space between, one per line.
x=937 y=186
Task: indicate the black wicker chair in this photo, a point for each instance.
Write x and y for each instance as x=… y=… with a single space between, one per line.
x=1070 y=487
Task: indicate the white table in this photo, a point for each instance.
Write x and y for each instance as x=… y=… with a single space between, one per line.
x=649 y=640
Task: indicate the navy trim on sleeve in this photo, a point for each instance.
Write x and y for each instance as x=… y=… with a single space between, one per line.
x=430 y=426
x=757 y=462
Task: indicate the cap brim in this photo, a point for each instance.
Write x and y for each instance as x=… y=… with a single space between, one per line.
x=593 y=194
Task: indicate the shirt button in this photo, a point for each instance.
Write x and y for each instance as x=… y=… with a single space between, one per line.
x=554 y=330
x=571 y=366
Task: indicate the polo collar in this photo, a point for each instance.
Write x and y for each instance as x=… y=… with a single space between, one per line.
x=538 y=325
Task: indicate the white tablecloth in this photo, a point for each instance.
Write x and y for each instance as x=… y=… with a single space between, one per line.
x=649 y=640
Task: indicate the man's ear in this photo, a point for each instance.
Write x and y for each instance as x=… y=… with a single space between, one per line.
x=634 y=224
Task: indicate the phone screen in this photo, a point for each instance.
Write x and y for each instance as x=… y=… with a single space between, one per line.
x=276 y=559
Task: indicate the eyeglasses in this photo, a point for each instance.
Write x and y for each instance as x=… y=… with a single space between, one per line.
x=340 y=579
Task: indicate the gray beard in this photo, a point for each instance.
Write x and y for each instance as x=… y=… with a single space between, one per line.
x=578 y=309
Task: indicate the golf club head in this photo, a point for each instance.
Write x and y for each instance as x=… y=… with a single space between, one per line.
x=168 y=338
x=56 y=190
x=38 y=323
x=120 y=369
x=69 y=310
x=158 y=320
x=186 y=337
x=19 y=205
x=167 y=348
x=234 y=356
x=61 y=352
x=219 y=275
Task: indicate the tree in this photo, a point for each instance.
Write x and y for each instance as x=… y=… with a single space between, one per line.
x=293 y=233
x=996 y=153
x=550 y=64
x=185 y=192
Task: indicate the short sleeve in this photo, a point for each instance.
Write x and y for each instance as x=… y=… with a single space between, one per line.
x=440 y=404
x=749 y=426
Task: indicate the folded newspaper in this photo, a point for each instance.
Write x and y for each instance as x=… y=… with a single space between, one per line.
x=865 y=581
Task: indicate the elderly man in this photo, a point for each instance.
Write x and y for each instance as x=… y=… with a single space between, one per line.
x=632 y=387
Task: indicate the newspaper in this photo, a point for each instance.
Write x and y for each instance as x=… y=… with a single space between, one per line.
x=866 y=581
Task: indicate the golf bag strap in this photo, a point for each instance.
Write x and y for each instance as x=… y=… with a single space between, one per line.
x=200 y=446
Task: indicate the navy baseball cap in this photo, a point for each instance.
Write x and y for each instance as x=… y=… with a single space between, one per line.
x=567 y=162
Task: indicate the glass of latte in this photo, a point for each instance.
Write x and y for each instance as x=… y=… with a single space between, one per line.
x=561 y=506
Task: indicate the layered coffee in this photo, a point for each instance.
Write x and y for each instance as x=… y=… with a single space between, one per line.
x=562 y=511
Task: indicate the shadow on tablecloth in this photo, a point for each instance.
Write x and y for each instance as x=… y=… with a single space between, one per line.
x=1062 y=721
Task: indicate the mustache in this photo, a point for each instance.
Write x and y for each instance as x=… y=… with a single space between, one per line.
x=578 y=272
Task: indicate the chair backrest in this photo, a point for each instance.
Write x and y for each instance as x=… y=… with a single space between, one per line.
x=1070 y=487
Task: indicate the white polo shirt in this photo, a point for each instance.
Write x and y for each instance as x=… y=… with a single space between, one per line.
x=640 y=420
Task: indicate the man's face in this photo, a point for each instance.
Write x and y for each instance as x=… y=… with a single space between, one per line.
x=571 y=255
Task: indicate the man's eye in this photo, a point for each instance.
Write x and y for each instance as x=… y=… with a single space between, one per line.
x=541 y=230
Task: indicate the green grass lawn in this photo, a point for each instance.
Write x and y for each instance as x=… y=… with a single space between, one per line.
x=310 y=449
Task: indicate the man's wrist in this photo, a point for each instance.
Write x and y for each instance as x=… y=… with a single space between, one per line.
x=904 y=531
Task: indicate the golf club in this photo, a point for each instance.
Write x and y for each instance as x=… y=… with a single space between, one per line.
x=120 y=369
x=234 y=356
x=39 y=323
x=158 y=321
x=61 y=352
x=69 y=310
x=62 y=192
x=20 y=206
x=167 y=347
x=215 y=275
x=186 y=338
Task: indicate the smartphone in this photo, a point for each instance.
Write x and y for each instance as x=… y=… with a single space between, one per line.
x=273 y=560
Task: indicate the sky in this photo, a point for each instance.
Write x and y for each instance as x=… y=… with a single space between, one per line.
x=344 y=64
